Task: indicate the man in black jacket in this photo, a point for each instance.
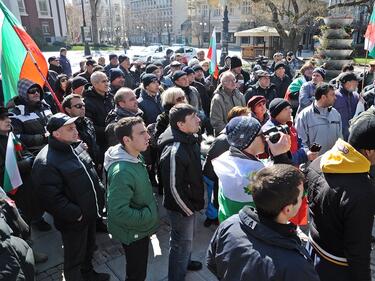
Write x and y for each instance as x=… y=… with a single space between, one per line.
x=262 y=87
x=261 y=244
x=280 y=79
x=70 y=190
x=341 y=198
x=181 y=172
x=98 y=104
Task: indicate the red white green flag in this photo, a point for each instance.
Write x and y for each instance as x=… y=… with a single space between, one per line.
x=12 y=177
x=214 y=69
x=20 y=56
x=370 y=36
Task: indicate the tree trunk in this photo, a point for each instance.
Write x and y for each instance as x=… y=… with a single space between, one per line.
x=291 y=42
x=94 y=21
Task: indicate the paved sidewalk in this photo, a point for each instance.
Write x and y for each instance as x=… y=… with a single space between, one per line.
x=110 y=256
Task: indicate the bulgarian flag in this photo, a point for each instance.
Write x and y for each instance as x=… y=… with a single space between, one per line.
x=214 y=69
x=12 y=177
x=370 y=36
x=20 y=56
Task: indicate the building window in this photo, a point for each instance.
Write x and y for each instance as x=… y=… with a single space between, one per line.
x=45 y=28
x=43 y=8
x=21 y=7
x=245 y=40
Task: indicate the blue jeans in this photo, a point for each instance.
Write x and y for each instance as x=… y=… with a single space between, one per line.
x=180 y=244
x=211 y=211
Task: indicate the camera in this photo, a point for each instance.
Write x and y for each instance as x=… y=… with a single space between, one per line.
x=274 y=133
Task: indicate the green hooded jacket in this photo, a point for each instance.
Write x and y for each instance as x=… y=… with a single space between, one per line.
x=132 y=207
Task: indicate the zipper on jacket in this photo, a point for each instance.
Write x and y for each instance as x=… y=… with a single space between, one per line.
x=92 y=184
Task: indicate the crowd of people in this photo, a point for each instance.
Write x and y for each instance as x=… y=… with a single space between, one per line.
x=280 y=159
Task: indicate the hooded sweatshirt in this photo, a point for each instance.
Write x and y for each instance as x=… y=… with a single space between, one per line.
x=341 y=200
x=132 y=207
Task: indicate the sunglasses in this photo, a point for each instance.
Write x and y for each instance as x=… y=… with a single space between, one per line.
x=79 y=105
x=180 y=99
x=33 y=91
x=63 y=80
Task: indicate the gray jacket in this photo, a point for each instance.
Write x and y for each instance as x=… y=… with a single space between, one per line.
x=306 y=95
x=319 y=125
x=221 y=104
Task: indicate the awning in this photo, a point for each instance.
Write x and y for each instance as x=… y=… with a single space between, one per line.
x=258 y=32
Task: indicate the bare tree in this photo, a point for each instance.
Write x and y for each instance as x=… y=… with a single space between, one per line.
x=74 y=21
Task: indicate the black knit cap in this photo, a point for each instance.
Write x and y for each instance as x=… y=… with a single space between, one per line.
x=348 y=76
x=235 y=62
x=115 y=73
x=197 y=67
x=279 y=64
x=277 y=105
x=178 y=74
x=148 y=78
x=362 y=132
x=188 y=70
x=78 y=81
x=151 y=68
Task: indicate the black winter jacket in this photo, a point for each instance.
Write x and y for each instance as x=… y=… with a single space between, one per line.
x=181 y=172
x=97 y=108
x=281 y=85
x=151 y=107
x=256 y=90
x=246 y=247
x=67 y=184
x=342 y=209
x=86 y=132
x=16 y=256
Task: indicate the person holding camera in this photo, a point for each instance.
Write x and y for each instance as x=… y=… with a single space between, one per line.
x=235 y=167
x=281 y=114
x=261 y=244
x=320 y=123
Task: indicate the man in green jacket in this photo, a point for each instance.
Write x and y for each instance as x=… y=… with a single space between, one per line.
x=132 y=208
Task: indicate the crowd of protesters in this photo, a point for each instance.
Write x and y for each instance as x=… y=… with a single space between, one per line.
x=286 y=176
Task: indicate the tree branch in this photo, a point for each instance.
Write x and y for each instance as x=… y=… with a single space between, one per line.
x=348 y=4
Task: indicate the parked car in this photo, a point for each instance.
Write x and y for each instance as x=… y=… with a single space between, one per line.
x=146 y=54
x=187 y=52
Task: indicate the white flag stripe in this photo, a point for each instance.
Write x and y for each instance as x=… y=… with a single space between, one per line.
x=11 y=167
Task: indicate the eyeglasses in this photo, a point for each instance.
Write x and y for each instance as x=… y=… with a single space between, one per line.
x=180 y=99
x=33 y=91
x=79 y=105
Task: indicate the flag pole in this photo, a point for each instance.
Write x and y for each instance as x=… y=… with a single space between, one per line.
x=364 y=71
x=45 y=80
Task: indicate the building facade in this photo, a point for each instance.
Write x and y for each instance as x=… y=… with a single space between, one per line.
x=156 y=21
x=44 y=20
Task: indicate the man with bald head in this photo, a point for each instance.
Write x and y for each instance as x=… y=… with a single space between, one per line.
x=126 y=105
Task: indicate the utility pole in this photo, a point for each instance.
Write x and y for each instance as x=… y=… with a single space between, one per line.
x=87 y=51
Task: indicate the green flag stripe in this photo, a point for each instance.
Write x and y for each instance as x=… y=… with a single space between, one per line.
x=13 y=54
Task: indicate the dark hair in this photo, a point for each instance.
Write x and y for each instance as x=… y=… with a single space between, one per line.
x=67 y=102
x=275 y=187
x=179 y=112
x=322 y=89
x=347 y=67
x=124 y=127
x=58 y=90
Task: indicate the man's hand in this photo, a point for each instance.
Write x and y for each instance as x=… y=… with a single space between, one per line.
x=281 y=147
x=312 y=155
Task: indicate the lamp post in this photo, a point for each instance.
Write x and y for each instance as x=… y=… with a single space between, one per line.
x=87 y=47
x=203 y=25
x=224 y=38
x=168 y=27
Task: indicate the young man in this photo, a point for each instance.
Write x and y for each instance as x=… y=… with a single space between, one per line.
x=341 y=200
x=319 y=122
x=235 y=167
x=132 y=208
x=261 y=244
x=72 y=193
x=181 y=172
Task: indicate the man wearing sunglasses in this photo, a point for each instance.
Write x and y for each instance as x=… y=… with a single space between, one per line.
x=29 y=122
x=74 y=106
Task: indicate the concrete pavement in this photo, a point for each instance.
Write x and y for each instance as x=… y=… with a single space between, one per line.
x=110 y=256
